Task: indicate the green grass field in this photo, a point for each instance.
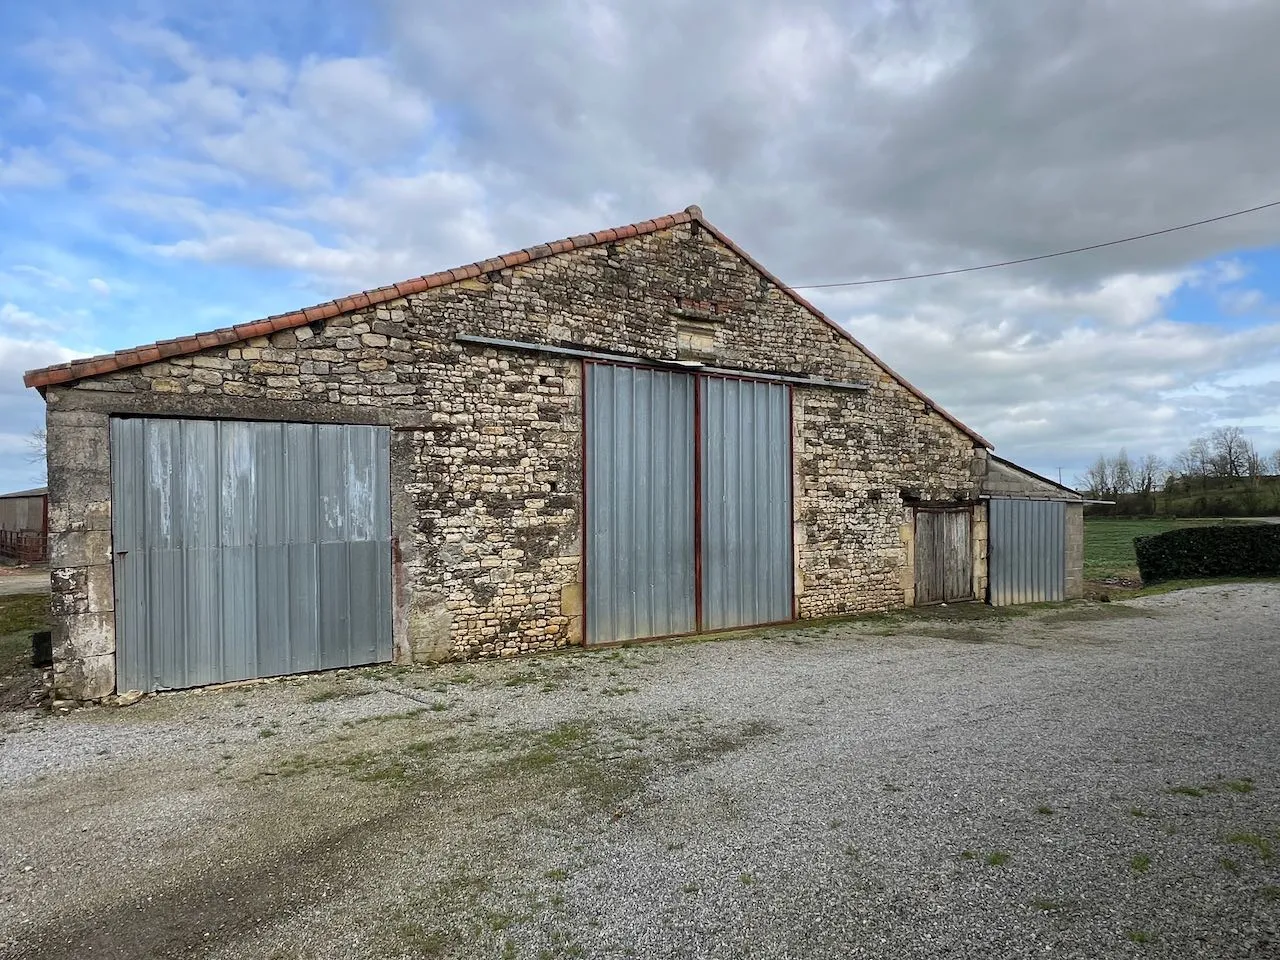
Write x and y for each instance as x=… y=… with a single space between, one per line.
x=1108 y=543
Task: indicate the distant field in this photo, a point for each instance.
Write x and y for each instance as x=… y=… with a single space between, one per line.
x=1108 y=543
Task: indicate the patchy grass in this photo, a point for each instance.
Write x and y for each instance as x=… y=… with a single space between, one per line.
x=1049 y=906
x=1140 y=936
x=1269 y=892
x=1094 y=612
x=21 y=617
x=1140 y=863
x=24 y=613
x=998 y=858
x=1260 y=844
x=1045 y=810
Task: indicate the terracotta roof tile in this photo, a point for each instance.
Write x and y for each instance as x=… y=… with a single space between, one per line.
x=124 y=359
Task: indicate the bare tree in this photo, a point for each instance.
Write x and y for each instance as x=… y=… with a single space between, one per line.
x=37 y=446
x=1099 y=478
x=1122 y=473
x=1229 y=452
x=1195 y=462
x=1149 y=474
x=1255 y=464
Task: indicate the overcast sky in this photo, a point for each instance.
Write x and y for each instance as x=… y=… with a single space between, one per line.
x=169 y=167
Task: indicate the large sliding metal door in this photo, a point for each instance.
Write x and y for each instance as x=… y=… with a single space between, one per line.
x=1027 y=551
x=640 y=509
x=248 y=549
x=688 y=503
x=747 y=567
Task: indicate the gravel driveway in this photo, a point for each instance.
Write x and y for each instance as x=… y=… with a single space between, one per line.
x=1099 y=780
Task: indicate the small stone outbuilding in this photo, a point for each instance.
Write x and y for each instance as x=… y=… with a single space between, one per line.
x=633 y=433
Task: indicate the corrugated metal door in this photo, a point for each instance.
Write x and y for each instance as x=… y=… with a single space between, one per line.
x=639 y=503
x=747 y=569
x=1027 y=551
x=944 y=556
x=248 y=549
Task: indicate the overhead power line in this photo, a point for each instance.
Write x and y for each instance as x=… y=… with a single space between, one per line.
x=1042 y=256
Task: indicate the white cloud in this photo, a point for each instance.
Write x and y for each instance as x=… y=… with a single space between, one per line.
x=26 y=168
x=834 y=141
x=100 y=286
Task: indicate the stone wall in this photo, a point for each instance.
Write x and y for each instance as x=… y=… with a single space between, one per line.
x=1074 y=587
x=486 y=451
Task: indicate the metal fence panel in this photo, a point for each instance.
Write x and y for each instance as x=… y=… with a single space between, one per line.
x=220 y=532
x=1027 y=551
x=639 y=503
x=747 y=565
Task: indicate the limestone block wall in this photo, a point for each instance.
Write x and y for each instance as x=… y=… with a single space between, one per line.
x=1074 y=586
x=486 y=449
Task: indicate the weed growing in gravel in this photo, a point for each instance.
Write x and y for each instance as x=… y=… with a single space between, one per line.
x=331 y=693
x=1140 y=863
x=1259 y=843
x=1240 y=785
x=690 y=888
x=439 y=706
x=998 y=858
x=1140 y=936
x=266 y=732
x=746 y=879
x=556 y=873
x=1049 y=906
x=852 y=851
x=892 y=788
x=1171 y=829
x=1045 y=811
x=1269 y=892
x=1228 y=864
x=1138 y=812
x=968 y=855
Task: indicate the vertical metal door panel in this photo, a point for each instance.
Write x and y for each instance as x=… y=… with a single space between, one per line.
x=1027 y=551
x=640 y=503
x=747 y=566
x=248 y=549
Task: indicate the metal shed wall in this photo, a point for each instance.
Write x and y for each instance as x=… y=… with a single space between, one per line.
x=248 y=549
x=1026 y=551
x=23 y=512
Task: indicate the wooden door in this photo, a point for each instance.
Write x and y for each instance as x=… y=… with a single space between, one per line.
x=944 y=555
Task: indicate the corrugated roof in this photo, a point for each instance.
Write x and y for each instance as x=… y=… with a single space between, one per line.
x=34 y=492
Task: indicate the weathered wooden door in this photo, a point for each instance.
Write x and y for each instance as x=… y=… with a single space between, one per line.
x=944 y=555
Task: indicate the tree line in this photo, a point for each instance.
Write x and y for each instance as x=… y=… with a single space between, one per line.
x=1222 y=460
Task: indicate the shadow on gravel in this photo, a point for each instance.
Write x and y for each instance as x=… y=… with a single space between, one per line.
x=207 y=911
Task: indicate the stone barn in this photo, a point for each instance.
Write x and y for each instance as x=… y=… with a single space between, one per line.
x=634 y=433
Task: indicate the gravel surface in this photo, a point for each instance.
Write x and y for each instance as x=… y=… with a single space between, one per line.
x=1094 y=780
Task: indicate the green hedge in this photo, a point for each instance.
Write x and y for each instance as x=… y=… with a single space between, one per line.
x=1236 y=550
